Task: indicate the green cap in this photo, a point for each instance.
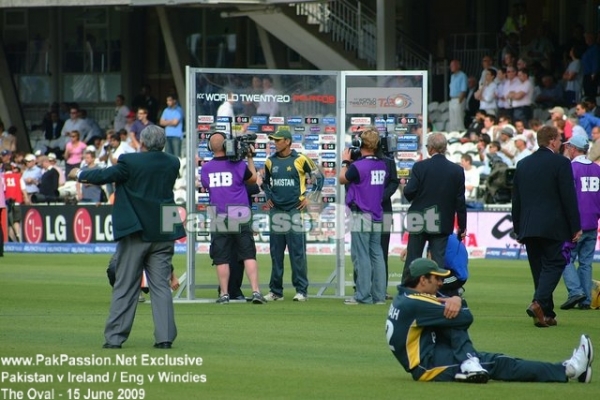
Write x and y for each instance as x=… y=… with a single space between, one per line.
x=424 y=266
x=281 y=134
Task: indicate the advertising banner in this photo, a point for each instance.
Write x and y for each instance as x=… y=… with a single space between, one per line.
x=79 y=224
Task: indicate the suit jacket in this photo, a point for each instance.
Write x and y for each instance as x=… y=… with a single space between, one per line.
x=49 y=183
x=544 y=202
x=437 y=182
x=144 y=184
x=391 y=184
x=50 y=132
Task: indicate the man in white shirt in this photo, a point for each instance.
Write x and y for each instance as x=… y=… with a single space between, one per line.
x=268 y=106
x=74 y=123
x=520 y=142
x=121 y=113
x=471 y=177
x=521 y=93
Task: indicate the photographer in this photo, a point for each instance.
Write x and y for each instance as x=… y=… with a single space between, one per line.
x=226 y=181
x=366 y=178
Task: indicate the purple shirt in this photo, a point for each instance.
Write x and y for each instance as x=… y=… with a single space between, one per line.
x=225 y=181
x=367 y=178
x=587 y=186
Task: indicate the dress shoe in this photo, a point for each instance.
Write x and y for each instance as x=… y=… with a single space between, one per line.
x=551 y=321
x=163 y=345
x=111 y=346
x=572 y=301
x=535 y=311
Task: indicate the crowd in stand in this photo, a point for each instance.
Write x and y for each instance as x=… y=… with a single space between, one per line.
x=71 y=140
x=501 y=110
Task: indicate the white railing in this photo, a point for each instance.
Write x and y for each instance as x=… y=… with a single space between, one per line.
x=354 y=26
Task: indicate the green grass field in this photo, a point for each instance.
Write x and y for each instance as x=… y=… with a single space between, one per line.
x=321 y=349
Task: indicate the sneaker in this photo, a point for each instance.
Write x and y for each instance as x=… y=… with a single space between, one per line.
x=258 y=298
x=273 y=297
x=579 y=366
x=141 y=298
x=351 y=301
x=472 y=372
x=223 y=299
x=300 y=297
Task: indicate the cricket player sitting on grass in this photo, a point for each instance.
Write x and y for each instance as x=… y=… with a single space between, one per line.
x=429 y=337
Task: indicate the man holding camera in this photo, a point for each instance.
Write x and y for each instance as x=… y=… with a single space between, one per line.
x=366 y=178
x=287 y=195
x=231 y=220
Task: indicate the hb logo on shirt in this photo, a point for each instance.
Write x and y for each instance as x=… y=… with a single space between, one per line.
x=377 y=177
x=590 y=183
x=220 y=179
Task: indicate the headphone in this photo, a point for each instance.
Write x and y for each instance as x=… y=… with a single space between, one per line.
x=211 y=135
x=358 y=142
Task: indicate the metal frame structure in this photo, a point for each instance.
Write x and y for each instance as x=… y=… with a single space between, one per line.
x=336 y=279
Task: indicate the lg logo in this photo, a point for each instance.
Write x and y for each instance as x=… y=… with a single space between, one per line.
x=33 y=226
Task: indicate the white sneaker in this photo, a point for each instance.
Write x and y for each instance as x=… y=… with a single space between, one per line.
x=579 y=366
x=472 y=372
x=273 y=297
x=300 y=297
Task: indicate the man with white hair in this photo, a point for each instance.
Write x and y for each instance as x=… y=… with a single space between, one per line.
x=520 y=142
x=587 y=178
x=61 y=172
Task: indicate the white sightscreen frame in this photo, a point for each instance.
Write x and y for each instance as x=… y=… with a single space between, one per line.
x=337 y=277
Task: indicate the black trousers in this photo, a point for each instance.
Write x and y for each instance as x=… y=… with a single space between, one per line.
x=547 y=263
x=416 y=245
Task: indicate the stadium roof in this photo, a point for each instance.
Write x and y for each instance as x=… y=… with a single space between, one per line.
x=83 y=3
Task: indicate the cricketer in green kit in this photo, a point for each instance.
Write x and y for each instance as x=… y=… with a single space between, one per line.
x=428 y=335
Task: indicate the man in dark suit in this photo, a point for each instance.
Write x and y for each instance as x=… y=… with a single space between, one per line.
x=472 y=104
x=48 y=186
x=436 y=190
x=143 y=241
x=545 y=217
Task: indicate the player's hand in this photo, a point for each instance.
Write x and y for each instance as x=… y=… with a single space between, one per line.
x=577 y=236
x=303 y=204
x=174 y=282
x=452 y=306
x=346 y=155
x=270 y=204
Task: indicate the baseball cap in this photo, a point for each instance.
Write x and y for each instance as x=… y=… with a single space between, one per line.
x=5 y=152
x=508 y=130
x=424 y=266
x=29 y=157
x=558 y=110
x=580 y=142
x=281 y=134
x=51 y=156
x=131 y=114
x=38 y=153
